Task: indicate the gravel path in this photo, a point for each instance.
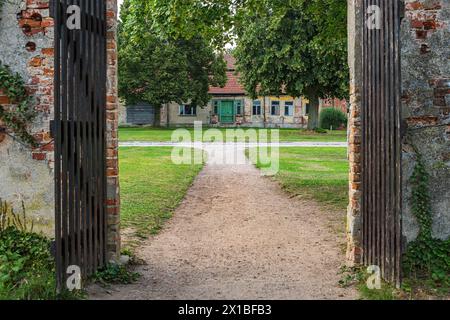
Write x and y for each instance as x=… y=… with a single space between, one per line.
x=237 y=235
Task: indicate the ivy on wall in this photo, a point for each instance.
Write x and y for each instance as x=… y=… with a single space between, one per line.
x=426 y=257
x=18 y=117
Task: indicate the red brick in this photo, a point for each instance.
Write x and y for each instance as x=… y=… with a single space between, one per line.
x=40 y=156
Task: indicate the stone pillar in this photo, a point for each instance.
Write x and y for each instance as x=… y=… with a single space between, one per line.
x=112 y=124
x=354 y=127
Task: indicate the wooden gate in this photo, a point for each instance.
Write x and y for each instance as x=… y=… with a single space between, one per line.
x=79 y=132
x=381 y=138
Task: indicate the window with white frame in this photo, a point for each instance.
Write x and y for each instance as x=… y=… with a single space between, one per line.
x=275 y=108
x=188 y=110
x=289 y=108
x=257 y=107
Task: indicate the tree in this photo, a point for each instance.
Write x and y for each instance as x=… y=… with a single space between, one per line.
x=157 y=68
x=296 y=47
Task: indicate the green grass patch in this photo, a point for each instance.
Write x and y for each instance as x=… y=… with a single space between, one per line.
x=317 y=173
x=286 y=135
x=152 y=186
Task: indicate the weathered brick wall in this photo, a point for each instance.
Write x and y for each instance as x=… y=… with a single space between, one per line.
x=112 y=106
x=426 y=107
x=425 y=37
x=354 y=134
x=26 y=45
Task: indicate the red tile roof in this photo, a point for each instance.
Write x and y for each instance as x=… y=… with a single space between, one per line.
x=233 y=86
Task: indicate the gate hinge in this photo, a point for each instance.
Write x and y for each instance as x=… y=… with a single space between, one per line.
x=52 y=129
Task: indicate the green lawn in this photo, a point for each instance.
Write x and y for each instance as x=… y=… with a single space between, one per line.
x=151 y=187
x=286 y=135
x=317 y=173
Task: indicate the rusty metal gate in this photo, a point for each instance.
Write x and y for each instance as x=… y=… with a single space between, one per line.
x=381 y=138
x=79 y=133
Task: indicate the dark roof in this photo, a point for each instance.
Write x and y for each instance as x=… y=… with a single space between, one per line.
x=232 y=87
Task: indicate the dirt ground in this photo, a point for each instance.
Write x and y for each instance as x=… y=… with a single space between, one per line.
x=237 y=235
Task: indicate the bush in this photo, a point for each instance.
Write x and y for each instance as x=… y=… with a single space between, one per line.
x=332 y=118
x=27 y=268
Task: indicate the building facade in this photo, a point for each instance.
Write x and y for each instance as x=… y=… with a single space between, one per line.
x=231 y=106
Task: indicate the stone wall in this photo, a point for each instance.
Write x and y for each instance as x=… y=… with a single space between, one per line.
x=425 y=42
x=425 y=38
x=26 y=45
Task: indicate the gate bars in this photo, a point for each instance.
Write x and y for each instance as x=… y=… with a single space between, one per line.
x=79 y=132
x=381 y=140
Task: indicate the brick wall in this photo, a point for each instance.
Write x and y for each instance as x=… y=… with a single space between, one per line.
x=26 y=45
x=426 y=107
x=112 y=106
x=354 y=135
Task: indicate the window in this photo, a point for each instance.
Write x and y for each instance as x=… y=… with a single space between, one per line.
x=216 y=106
x=257 y=108
x=289 y=108
x=275 y=108
x=188 y=110
x=307 y=109
x=238 y=106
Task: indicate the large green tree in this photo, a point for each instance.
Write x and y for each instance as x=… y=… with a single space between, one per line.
x=295 y=47
x=158 y=68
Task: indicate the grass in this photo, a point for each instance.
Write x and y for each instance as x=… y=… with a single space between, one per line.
x=152 y=186
x=316 y=173
x=286 y=135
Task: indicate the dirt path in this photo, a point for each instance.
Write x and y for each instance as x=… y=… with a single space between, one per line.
x=237 y=235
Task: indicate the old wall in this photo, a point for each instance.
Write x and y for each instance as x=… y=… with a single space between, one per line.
x=26 y=45
x=354 y=128
x=425 y=42
x=112 y=136
x=425 y=58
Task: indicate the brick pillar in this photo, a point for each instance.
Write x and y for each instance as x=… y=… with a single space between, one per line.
x=112 y=123
x=355 y=63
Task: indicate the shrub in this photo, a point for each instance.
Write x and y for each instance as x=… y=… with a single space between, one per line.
x=27 y=269
x=332 y=118
x=26 y=266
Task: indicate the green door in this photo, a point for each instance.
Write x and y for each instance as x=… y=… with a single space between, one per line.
x=227 y=112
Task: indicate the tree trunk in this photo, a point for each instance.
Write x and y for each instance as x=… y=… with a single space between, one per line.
x=167 y=116
x=313 y=117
